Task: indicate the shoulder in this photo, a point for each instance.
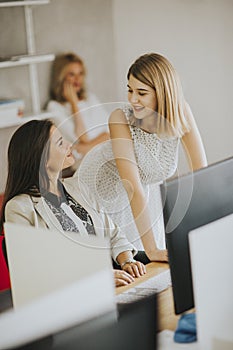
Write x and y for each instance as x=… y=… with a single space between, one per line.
x=118 y=117
x=119 y=125
x=19 y=207
x=52 y=103
x=55 y=106
x=23 y=201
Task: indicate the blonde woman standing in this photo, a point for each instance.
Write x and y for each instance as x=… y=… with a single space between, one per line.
x=124 y=173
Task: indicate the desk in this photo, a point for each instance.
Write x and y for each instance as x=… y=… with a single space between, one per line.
x=166 y=316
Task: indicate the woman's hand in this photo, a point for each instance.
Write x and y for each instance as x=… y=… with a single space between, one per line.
x=69 y=93
x=122 y=278
x=158 y=255
x=71 y=96
x=135 y=269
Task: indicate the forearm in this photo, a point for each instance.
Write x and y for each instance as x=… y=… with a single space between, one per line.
x=79 y=126
x=124 y=256
x=141 y=216
x=195 y=152
x=104 y=136
x=128 y=264
x=192 y=142
x=84 y=147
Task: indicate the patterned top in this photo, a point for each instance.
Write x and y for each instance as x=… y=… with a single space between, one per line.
x=156 y=160
x=68 y=225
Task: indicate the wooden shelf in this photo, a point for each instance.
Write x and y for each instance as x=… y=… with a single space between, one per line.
x=23 y=3
x=21 y=120
x=26 y=59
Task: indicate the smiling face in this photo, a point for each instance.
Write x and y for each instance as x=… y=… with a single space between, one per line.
x=141 y=97
x=74 y=74
x=60 y=155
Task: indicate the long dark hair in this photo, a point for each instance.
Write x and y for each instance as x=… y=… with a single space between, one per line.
x=28 y=153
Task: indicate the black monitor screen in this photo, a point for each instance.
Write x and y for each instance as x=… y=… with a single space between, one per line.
x=191 y=201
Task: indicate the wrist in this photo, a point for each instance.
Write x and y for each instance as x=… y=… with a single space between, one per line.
x=74 y=107
x=127 y=261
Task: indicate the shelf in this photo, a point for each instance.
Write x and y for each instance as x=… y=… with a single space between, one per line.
x=26 y=59
x=23 y=3
x=21 y=120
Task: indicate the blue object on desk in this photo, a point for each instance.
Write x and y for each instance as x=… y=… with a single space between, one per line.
x=186 y=331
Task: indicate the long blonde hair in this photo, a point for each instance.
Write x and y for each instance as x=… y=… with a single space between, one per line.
x=58 y=75
x=157 y=72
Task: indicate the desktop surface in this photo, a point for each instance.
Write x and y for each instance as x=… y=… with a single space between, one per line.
x=166 y=319
x=166 y=316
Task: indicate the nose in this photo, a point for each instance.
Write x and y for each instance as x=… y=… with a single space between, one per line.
x=134 y=97
x=76 y=77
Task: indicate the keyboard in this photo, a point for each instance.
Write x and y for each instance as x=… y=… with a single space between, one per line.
x=153 y=285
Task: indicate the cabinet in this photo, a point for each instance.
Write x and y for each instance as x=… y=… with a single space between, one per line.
x=31 y=59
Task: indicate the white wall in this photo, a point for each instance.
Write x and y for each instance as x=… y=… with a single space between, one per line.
x=62 y=25
x=196 y=36
x=84 y=27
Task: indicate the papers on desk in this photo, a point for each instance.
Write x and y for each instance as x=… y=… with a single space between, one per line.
x=153 y=285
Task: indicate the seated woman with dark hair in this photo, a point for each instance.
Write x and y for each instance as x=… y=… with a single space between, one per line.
x=36 y=196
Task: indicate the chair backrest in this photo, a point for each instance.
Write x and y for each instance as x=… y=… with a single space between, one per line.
x=4 y=272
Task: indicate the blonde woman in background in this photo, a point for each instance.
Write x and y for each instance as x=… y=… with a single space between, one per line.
x=124 y=173
x=81 y=124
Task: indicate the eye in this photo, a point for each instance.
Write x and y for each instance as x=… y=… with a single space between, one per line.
x=142 y=93
x=60 y=143
x=130 y=91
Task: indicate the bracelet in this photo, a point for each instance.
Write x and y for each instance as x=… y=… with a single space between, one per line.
x=128 y=261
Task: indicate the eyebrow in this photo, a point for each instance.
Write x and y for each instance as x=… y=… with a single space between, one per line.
x=140 y=89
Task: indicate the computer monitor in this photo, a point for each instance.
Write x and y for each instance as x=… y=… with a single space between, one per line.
x=135 y=329
x=191 y=201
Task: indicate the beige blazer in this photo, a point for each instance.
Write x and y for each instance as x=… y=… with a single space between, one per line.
x=28 y=210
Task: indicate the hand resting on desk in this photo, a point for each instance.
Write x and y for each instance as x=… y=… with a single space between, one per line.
x=128 y=273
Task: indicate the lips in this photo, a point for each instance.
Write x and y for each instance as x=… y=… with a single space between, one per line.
x=138 y=108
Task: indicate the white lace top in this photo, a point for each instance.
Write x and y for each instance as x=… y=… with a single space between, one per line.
x=156 y=159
